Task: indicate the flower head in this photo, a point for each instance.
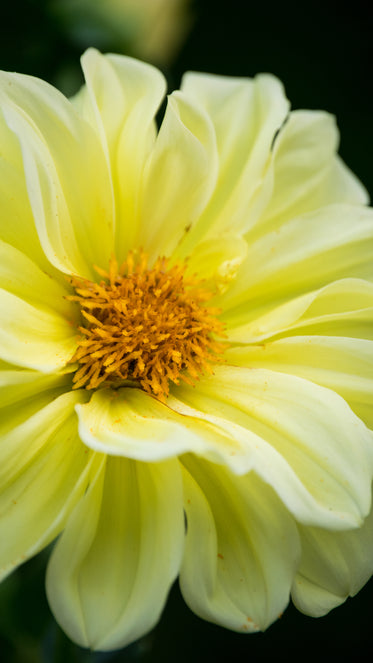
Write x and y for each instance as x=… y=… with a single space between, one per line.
x=186 y=328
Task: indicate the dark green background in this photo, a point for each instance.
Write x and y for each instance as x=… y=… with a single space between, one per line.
x=323 y=53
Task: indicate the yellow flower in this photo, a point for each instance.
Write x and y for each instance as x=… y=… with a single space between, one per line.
x=186 y=327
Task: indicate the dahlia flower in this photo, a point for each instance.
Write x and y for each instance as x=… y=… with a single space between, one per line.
x=186 y=351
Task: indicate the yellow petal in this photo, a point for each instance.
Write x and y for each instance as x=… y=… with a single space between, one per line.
x=133 y=424
x=37 y=326
x=298 y=439
x=66 y=174
x=344 y=365
x=179 y=178
x=22 y=277
x=44 y=470
x=242 y=548
x=24 y=392
x=34 y=337
x=111 y=571
x=120 y=99
x=246 y=114
x=305 y=253
x=17 y=224
x=334 y=566
x=342 y=308
x=306 y=172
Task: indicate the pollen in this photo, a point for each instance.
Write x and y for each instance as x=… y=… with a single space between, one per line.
x=144 y=327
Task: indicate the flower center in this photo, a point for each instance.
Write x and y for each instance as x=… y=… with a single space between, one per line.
x=146 y=326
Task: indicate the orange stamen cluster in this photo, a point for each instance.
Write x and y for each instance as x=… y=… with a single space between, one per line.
x=147 y=326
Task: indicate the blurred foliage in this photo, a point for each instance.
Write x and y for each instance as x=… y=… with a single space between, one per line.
x=47 y=37
x=322 y=52
x=149 y=29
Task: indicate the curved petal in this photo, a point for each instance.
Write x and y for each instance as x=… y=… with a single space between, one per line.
x=303 y=254
x=34 y=337
x=67 y=177
x=20 y=276
x=110 y=573
x=180 y=177
x=23 y=393
x=242 y=548
x=334 y=566
x=120 y=99
x=306 y=172
x=16 y=222
x=130 y=423
x=246 y=114
x=44 y=469
x=344 y=365
x=341 y=308
x=298 y=439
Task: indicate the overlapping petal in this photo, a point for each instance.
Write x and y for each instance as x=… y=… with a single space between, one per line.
x=66 y=174
x=333 y=567
x=298 y=439
x=20 y=276
x=38 y=323
x=24 y=392
x=341 y=308
x=32 y=337
x=17 y=227
x=126 y=128
x=130 y=423
x=305 y=170
x=44 y=470
x=343 y=364
x=246 y=115
x=180 y=177
x=303 y=254
x=242 y=548
x=111 y=571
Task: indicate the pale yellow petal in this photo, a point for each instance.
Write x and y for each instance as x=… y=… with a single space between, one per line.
x=333 y=566
x=66 y=174
x=306 y=172
x=341 y=308
x=242 y=548
x=298 y=439
x=130 y=423
x=25 y=392
x=180 y=177
x=33 y=337
x=37 y=326
x=111 y=571
x=120 y=99
x=344 y=365
x=44 y=470
x=246 y=114
x=16 y=222
x=305 y=253
x=22 y=277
